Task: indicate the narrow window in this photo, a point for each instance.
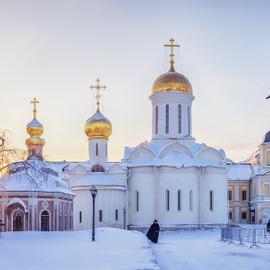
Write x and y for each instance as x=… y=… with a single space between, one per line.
x=116 y=214
x=211 y=200
x=229 y=195
x=190 y=200
x=230 y=215
x=167 y=118
x=167 y=200
x=96 y=149
x=100 y=215
x=179 y=200
x=268 y=158
x=244 y=195
x=188 y=118
x=156 y=120
x=244 y=215
x=137 y=201
x=80 y=216
x=179 y=119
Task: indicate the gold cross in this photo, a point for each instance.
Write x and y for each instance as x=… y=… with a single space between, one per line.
x=98 y=88
x=35 y=102
x=171 y=45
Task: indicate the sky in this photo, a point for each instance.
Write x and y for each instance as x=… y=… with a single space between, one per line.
x=53 y=50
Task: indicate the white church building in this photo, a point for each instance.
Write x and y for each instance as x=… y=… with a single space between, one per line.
x=172 y=178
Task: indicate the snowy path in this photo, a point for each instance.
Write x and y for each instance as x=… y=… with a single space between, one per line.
x=202 y=251
x=113 y=250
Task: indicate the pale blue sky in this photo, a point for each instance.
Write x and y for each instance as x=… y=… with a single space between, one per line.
x=53 y=50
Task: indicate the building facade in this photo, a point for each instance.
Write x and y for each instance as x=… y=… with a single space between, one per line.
x=172 y=178
x=32 y=195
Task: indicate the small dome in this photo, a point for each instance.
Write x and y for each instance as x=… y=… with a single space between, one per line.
x=34 y=128
x=267 y=137
x=98 y=127
x=172 y=81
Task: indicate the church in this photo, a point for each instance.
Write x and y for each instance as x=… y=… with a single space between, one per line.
x=172 y=178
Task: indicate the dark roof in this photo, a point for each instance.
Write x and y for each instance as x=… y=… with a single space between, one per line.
x=267 y=137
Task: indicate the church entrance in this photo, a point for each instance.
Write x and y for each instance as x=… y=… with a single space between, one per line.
x=18 y=219
x=45 y=221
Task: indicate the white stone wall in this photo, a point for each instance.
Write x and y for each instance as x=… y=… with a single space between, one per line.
x=153 y=183
x=173 y=99
x=213 y=179
x=143 y=181
x=173 y=179
x=107 y=199
x=100 y=155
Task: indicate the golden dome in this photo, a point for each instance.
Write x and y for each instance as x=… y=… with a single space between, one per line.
x=35 y=141
x=34 y=128
x=172 y=81
x=98 y=127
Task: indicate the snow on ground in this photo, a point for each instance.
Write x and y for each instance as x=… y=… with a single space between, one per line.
x=201 y=250
x=113 y=250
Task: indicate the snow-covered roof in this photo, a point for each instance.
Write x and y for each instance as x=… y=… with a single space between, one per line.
x=240 y=172
x=99 y=179
x=88 y=165
x=33 y=175
x=181 y=153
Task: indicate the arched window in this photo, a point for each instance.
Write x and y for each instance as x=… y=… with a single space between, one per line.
x=116 y=214
x=137 y=200
x=179 y=119
x=167 y=118
x=190 y=200
x=156 y=120
x=167 y=200
x=188 y=118
x=179 y=200
x=211 y=200
x=45 y=219
x=96 y=149
x=97 y=168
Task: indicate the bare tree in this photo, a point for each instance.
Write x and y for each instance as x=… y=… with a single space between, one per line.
x=13 y=161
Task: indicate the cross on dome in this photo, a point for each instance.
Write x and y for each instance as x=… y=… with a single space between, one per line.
x=35 y=102
x=97 y=88
x=172 y=46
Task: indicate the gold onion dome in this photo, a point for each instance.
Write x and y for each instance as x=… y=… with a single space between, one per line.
x=171 y=81
x=35 y=130
x=98 y=127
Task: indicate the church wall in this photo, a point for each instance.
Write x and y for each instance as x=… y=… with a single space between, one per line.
x=173 y=100
x=107 y=200
x=141 y=180
x=34 y=206
x=213 y=179
x=173 y=179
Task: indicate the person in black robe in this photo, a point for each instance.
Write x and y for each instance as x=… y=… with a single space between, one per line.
x=153 y=232
x=268 y=225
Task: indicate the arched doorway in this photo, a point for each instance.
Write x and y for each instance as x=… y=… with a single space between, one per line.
x=45 y=221
x=18 y=220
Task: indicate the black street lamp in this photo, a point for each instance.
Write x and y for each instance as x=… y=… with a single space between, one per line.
x=93 y=192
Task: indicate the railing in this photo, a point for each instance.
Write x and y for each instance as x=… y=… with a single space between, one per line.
x=113 y=225
x=245 y=235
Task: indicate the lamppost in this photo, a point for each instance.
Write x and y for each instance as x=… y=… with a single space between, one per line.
x=93 y=192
